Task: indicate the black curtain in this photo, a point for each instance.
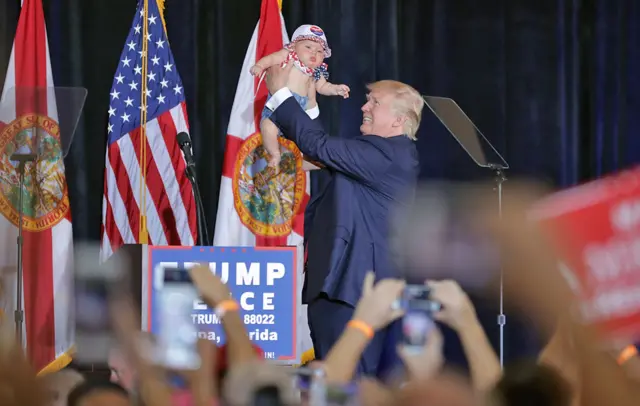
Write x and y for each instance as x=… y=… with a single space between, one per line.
x=551 y=83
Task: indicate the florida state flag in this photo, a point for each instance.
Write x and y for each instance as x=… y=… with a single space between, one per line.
x=47 y=279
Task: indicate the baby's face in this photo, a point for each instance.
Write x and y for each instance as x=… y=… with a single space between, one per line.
x=310 y=53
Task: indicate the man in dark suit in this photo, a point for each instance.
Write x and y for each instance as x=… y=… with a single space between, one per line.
x=370 y=176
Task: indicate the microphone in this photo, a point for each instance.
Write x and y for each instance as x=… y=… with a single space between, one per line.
x=184 y=141
x=185 y=145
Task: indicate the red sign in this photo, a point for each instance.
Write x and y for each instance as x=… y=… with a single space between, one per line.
x=597 y=228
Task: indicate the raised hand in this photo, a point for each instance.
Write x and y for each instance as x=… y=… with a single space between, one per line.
x=376 y=305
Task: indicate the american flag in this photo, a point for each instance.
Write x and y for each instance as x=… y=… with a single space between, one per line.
x=164 y=195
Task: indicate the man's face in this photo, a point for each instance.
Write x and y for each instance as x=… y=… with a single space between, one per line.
x=378 y=117
x=310 y=53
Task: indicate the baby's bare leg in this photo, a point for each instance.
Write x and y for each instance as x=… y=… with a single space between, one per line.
x=311 y=95
x=270 y=141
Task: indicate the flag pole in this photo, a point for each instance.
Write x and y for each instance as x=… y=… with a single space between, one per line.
x=143 y=235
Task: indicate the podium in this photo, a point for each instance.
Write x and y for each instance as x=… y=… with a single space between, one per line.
x=266 y=282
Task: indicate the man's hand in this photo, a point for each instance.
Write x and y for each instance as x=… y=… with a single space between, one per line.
x=277 y=77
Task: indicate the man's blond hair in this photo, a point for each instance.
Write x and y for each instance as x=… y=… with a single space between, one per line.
x=408 y=103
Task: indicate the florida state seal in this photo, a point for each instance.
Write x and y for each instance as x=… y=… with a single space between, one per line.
x=267 y=201
x=45 y=197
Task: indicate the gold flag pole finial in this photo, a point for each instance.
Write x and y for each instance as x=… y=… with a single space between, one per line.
x=143 y=235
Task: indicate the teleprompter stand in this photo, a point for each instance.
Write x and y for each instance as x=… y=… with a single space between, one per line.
x=484 y=155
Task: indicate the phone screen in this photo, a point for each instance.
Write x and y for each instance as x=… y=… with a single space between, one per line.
x=93 y=327
x=177 y=335
x=93 y=285
x=417 y=322
x=416 y=327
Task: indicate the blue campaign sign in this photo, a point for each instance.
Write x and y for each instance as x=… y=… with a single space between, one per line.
x=261 y=279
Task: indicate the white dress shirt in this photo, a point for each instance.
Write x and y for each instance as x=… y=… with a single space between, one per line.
x=283 y=94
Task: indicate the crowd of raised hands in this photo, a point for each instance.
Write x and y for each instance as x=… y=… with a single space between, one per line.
x=575 y=368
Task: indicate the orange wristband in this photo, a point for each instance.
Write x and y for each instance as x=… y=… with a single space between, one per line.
x=226 y=306
x=366 y=329
x=628 y=353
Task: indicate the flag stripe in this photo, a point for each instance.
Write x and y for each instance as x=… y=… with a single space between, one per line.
x=129 y=152
x=120 y=212
x=111 y=227
x=30 y=72
x=170 y=124
x=180 y=123
x=157 y=192
x=123 y=200
x=63 y=324
x=232 y=147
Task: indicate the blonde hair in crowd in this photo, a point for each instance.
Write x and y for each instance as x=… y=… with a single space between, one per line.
x=408 y=102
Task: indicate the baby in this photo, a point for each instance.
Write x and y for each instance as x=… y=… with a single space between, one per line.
x=307 y=51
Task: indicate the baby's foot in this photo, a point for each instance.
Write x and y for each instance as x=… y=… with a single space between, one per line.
x=274 y=161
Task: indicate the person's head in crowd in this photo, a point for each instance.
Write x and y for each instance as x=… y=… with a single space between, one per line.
x=122 y=372
x=266 y=396
x=447 y=389
x=392 y=108
x=98 y=393
x=258 y=382
x=529 y=383
x=59 y=384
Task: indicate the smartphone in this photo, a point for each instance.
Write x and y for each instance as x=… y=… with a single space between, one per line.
x=177 y=335
x=94 y=284
x=419 y=297
x=417 y=321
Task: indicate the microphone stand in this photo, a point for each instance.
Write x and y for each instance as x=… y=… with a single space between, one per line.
x=19 y=312
x=203 y=236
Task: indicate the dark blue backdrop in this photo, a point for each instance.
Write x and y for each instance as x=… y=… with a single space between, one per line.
x=553 y=84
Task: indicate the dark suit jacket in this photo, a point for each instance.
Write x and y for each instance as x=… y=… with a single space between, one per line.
x=349 y=231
